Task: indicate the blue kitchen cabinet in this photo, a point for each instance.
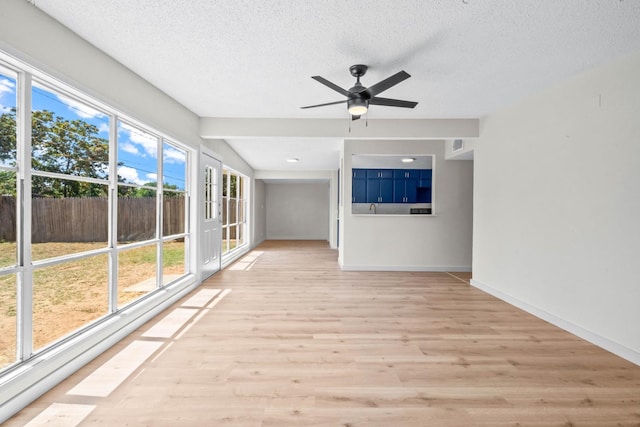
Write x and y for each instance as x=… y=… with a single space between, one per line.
x=360 y=173
x=425 y=178
x=359 y=190
x=405 y=185
x=391 y=186
x=379 y=185
x=425 y=185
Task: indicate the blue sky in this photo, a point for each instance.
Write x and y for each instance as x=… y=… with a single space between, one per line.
x=137 y=150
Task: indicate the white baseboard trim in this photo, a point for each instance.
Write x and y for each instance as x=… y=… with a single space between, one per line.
x=602 y=342
x=425 y=268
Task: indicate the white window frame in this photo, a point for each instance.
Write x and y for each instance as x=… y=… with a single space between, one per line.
x=242 y=227
x=25 y=266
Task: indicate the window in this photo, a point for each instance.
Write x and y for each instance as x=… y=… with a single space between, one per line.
x=99 y=220
x=234 y=223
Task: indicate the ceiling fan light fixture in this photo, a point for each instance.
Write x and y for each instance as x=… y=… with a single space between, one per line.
x=357 y=106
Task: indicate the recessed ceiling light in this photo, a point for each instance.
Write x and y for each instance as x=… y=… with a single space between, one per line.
x=293 y=160
x=408 y=160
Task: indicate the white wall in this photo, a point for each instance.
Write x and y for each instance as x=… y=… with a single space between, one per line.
x=557 y=205
x=259 y=212
x=297 y=211
x=412 y=242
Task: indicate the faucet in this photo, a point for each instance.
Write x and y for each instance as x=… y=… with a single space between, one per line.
x=372 y=207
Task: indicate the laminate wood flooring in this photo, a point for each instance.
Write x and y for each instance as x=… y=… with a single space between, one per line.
x=285 y=338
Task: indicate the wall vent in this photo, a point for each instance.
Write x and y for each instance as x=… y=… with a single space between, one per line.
x=457 y=145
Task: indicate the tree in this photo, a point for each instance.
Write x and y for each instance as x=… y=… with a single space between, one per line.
x=8 y=137
x=69 y=147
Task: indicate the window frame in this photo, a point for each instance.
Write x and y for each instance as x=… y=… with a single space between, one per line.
x=241 y=205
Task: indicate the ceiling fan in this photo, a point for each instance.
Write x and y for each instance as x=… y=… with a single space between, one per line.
x=359 y=97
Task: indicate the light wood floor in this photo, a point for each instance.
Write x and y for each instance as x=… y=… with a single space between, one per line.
x=298 y=342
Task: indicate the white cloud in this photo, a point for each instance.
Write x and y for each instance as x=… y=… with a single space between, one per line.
x=129 y=148
x=130 y=175
x=148 y=142
x=6 y=86
x=103 y=127
x=171 y=155
x=152 y=177
x=80 y=109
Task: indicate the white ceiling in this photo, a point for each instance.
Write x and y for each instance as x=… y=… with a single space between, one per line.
x=252 y=58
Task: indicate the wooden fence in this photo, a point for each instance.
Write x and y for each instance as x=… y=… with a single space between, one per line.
x=85 y=219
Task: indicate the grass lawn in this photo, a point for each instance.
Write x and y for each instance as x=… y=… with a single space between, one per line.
x=70 y=295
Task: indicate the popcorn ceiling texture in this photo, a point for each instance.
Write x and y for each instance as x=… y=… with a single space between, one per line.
x=241 y=58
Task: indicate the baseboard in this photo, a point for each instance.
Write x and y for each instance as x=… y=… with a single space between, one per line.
x=602 y=342
x=425 y=268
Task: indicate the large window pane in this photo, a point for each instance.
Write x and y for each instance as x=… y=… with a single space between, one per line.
x=136 y=213
x=68 y=136
x=7 y=318
x=173 y=213
x=8 y=215
x=7 y=118
x=137 y=156
x=174 y=167
x=233 y=237
x=233 y=186
x=64 y=225
x=136 y=273
x=68 y=296
x=173 y=260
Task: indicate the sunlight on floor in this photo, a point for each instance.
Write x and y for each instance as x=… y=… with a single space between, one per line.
x=246 y=262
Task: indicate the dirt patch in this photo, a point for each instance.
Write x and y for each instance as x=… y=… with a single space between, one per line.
x=73 y=294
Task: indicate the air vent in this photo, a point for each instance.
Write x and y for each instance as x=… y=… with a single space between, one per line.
x=457 y=145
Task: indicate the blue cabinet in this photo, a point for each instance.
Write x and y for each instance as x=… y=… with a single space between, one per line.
x=359 y=186
x=425 y=176
x=405 y=185
x=359 y=173
x=391 y=186
x=425 y=186
x=359 y=190
x=379 y=185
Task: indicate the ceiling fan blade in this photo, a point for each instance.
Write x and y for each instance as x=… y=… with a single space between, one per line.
x=355 y=118
x=332 y=86
x=392 y=102
x=322 y=105
x=387 y=83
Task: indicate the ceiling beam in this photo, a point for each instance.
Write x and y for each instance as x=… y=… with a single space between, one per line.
x=215 y=127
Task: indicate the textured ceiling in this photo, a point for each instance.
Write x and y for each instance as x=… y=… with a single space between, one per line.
x=241 y=58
